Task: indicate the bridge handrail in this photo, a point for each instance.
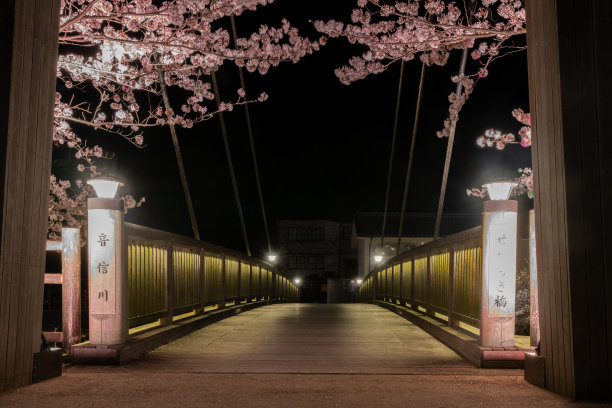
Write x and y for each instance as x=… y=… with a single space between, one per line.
x=441 y=278
x=170 y=275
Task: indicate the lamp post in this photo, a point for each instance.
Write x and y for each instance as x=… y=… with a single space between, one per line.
x=499 y=231
x=272 y=258
x=298 y=282
x=108 y=302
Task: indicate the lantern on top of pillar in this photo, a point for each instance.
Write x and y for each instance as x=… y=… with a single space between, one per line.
x=108 y=314
x=499 y=265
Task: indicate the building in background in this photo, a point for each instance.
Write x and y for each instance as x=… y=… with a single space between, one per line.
x=316 y=249
x=418 y=230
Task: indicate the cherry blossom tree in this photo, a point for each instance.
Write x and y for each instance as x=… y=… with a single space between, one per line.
x=117 y=56
x=499 y=140
x=429 y=29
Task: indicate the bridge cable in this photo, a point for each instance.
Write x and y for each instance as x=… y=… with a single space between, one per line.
x=397 y=107
x=230 y=165
x=179 y=159
x=411 y=157
x=451 y=136
x=252 y=142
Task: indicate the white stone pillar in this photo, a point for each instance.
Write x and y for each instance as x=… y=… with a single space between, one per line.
x=499 y=273
x=108 y=283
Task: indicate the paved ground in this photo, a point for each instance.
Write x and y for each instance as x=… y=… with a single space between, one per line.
x=293 y=356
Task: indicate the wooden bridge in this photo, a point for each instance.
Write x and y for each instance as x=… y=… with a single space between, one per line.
x=569 y=56
x=299 y=355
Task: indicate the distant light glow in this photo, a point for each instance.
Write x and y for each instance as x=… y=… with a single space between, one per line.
x=271 y=257
x=297 y=281
x=500 y=190
x=378 y=258
x=104 y=187
x=359 y=281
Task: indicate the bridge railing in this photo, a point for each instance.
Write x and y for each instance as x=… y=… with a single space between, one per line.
x=441 y=278
x=171 y=275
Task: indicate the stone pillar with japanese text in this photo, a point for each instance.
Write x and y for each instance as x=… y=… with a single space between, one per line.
x=498 y=273
x=108 y=282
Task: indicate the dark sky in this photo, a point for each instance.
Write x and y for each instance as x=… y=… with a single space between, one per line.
x=323 y=147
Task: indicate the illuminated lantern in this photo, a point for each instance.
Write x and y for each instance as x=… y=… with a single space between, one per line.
x=108 y=318
x=499 y=266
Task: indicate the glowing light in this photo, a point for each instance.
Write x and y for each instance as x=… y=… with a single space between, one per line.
x=105 y=187
x=378 y=258
x=271 y=257
x=297 y=281
x=359 y=281
x=500 y=190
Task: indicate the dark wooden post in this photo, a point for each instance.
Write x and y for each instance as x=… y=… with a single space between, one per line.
x=451 y=285
x=202 y=281
x=169 y=286
x=570 y=83
x=428 y=294
x=223 y=283
x=27 y=94
x=412 y=284
x=401 y=283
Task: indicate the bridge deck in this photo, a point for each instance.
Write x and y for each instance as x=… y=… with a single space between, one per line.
x=306 y=338
x=297 y=355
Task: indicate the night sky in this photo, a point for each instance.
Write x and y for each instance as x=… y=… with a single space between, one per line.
x=323 y=147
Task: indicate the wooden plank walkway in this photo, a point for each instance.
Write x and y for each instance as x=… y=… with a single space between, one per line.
x=305 y=338
x=293 y=355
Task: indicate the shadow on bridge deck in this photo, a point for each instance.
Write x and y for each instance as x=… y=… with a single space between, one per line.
x=298 y=355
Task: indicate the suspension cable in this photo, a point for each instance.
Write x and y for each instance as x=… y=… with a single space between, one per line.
x=410 y=158
x=451 y=137
x=252 y=142
x=231 y=166
x=179 y=159
x=397 y=107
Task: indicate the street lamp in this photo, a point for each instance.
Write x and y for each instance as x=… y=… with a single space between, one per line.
x=499 y=232
x=359 y=281
x=272 y=258
x=297 y=281
x=378 y=258
x=500 y=190
x=105 y=187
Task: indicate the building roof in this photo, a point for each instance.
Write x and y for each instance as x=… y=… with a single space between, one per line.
x=415 y=224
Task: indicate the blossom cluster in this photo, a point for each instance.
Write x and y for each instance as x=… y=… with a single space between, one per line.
x=428 y=28
x=125 y=48
x=117 y=55
x=493 y=137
